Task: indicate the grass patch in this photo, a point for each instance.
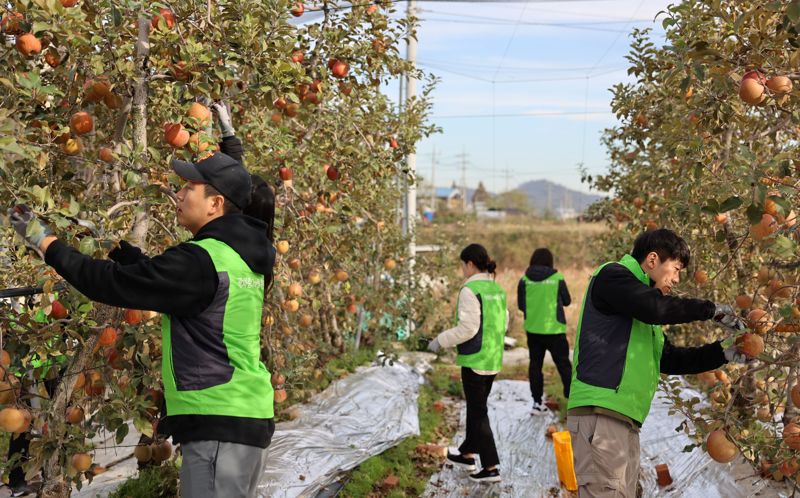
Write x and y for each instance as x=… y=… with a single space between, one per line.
x=152 y=482
x=412 y=470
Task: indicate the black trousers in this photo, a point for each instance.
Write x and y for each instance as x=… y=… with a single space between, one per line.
x=18 y=445
x=480 y=438
x=559 y=349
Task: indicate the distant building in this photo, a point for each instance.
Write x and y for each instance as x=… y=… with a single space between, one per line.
x=480 y=195
x=451 y=197
x=566 y=213
x=486 y=213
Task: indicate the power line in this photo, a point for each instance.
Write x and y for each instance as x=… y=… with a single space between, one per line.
x=510 y=40
x=521 y=114
x=511 y=21
x=616 y=39
x=498 y=22
x=467 y=65
x=527 y=80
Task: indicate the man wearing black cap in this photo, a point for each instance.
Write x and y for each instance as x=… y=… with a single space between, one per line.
x=210 y=290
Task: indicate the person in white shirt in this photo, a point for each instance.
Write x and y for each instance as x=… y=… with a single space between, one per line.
x=478 y=336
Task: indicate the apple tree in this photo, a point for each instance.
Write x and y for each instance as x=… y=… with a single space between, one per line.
x=707 y=145
x=97 y=96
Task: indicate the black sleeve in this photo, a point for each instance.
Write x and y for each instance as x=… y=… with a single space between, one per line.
x=127 y=254
x=563 y=292
x=521 y=295
x=681 y=361
x=232 y=146
x=180 y=282
x=617 y=291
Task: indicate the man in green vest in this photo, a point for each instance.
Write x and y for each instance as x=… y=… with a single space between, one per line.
x=210 y=290
x=621 y=351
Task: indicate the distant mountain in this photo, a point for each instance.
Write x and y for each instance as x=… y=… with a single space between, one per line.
x=543 y=194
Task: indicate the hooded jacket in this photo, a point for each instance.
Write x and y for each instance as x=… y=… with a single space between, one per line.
x=537 y=273
x=181 y=282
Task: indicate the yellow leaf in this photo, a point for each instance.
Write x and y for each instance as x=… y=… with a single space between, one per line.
x=42 y=160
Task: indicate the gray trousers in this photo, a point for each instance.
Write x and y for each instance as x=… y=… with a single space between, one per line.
x=215 y=469
x=606 y=452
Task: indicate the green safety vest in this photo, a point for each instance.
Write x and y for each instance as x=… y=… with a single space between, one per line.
x=484 y=351
x=617 y=358
x=541 y=305
x=211 y=363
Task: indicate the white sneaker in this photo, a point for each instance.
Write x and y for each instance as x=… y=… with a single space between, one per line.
x=539 y=409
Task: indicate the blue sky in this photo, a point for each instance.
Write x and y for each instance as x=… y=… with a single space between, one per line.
x=465 y=43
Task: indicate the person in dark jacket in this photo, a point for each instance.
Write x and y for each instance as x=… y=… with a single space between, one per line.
x=620 y=353
x=210 y=291
x=541 y=296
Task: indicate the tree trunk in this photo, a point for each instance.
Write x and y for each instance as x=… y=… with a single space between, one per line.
x=792 y=378
x=140 y=92
x=54 y=471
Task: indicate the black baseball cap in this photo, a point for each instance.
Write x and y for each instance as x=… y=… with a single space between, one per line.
x=222 y=172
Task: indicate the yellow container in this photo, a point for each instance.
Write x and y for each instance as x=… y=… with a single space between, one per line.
x=562 y=443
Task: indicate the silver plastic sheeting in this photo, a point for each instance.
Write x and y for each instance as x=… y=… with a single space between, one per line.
x=355 y=418
x=527 y=460
x=694 y=474
x=528 y=467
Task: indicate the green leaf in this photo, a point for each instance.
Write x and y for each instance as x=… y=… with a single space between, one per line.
x=143 y=425
x=700 y=71
x=88 y=246
x=39 y=26
x=783 y=247
x=730 y=203
x=746 y=153
x=116 y=15
x=754 y=213
x=122 y=431
x=793 y=12
x=74 y=207
x=712 y=207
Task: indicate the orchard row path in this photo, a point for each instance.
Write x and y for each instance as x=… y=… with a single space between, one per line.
x=356 y=417
x=528 y=466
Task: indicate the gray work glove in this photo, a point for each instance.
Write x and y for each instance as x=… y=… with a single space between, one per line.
x=734 y=356
x=28 y=226
x=224 y=119
x=434 y=345
x=724 y=315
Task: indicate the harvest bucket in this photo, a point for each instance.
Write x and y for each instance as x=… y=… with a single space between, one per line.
x=562 y=443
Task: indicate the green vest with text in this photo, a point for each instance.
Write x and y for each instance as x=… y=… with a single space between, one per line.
x=484 y=351
x=541 y=305
x=212 y=362
x=617 y=358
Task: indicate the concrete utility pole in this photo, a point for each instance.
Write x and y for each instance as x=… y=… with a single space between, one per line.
x=410 y=210
x=464 y=179
x=433 y=180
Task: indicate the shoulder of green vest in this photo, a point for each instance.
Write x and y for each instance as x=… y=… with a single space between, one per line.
x=594 y=274
x=483 y=285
